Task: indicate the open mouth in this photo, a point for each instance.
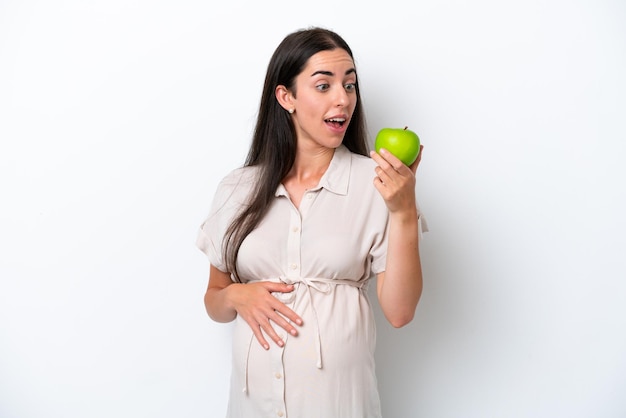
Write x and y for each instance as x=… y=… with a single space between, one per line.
x=336 y=122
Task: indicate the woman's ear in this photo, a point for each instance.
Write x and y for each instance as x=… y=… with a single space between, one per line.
x=285 y=98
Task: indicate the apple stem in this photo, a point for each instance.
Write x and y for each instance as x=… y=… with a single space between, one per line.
x=406 y=127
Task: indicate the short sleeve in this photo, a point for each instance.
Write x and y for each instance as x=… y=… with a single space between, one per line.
x=422 y=225
x=228 y=200
x=206 y=242
x=379 y=250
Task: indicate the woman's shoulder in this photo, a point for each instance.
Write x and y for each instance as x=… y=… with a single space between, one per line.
x=240 y=178
x=235 y=186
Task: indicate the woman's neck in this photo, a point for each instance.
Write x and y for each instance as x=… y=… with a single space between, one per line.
x=306 y=173
x=309 y=166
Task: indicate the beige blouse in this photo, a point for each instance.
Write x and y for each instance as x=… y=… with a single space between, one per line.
x=329 y=249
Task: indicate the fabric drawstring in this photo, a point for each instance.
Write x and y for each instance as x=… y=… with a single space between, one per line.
x=322 y=285
x=245 y=378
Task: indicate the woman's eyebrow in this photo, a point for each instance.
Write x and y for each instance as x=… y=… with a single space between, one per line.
x=330 y=73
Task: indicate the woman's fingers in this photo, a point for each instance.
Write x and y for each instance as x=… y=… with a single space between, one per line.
x=265 y=325
x=281 y=308
x=261 y=327
x=387 y=161
x=395 y=181
x=390 y=170
x=262 y=311
x=259 y=336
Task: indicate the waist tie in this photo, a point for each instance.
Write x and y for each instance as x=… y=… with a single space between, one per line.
x=320 y=284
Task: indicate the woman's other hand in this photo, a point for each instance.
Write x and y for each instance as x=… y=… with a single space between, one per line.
x=254 y=302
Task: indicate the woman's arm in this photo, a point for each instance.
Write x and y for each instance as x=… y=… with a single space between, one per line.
x=399 y=287
x=224 y=300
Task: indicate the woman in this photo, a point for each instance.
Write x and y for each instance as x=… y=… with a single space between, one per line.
x=294 y=236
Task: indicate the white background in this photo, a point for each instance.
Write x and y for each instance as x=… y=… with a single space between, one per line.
x=118 y=117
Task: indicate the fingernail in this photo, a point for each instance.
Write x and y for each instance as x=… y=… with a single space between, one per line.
x=293 y=332
x=267 y=347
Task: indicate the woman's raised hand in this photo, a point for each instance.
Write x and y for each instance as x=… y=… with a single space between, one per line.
x=395 y=181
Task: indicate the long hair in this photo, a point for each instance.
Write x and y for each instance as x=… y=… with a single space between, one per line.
x=273 y=148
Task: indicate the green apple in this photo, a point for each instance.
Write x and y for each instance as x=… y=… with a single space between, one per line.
x=403 y=143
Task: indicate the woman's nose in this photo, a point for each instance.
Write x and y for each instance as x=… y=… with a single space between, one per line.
x=341 y=98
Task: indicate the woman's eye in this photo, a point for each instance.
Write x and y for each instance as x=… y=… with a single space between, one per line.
x=322 y=87
x=350 y=86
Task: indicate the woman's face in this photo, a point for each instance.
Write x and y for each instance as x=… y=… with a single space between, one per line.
x=325 y=98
